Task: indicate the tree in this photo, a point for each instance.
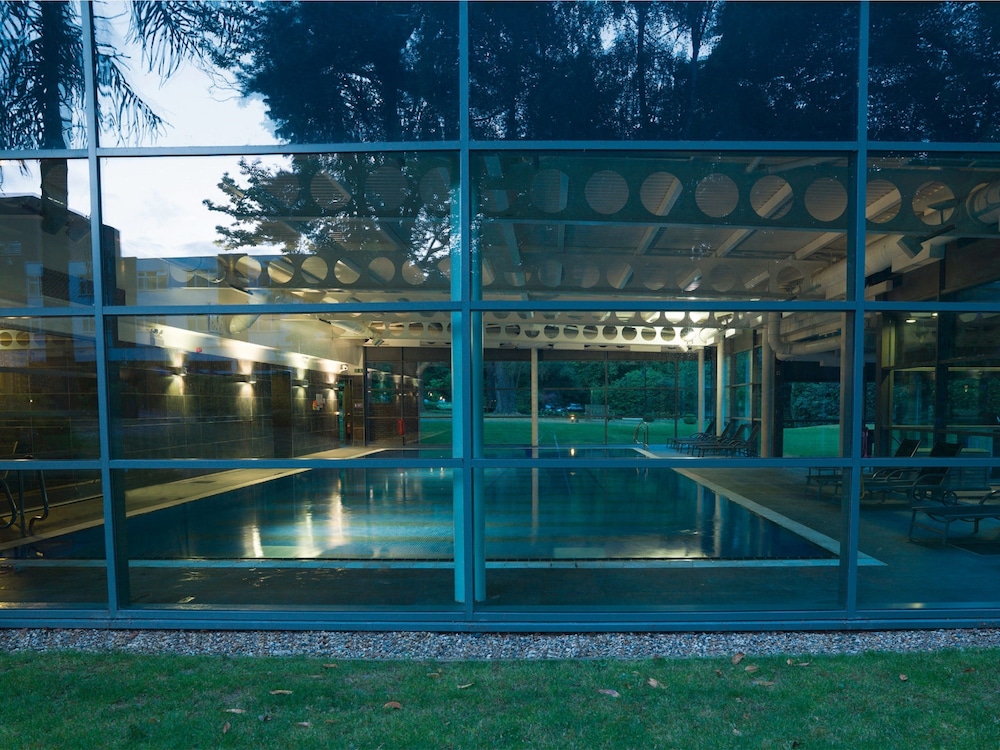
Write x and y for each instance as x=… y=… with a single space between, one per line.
x=353 y=71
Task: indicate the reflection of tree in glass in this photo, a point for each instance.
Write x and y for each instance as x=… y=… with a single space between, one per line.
x=328 y=204
x=41 y=65
x=351 y=71
x=934 y=72
x=663 y=70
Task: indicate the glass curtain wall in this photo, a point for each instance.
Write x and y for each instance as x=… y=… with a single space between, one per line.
x=542 y=315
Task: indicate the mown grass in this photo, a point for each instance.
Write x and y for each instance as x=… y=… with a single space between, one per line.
x=72 y=700
x=820 y=440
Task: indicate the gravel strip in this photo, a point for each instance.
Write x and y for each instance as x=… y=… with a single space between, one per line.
x=487 y=646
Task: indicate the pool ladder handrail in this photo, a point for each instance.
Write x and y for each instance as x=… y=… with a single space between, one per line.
x=644 y=427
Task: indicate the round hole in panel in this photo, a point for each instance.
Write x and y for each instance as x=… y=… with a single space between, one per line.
x=314 y=270
x=673 y=316
x=551 y=273
x=328 y=193
x=590 y=332
x=6 y=338
x=249 y=268
x=551 y=332
x=435 y=191
x=689 y=281
x=531 y=333
x=629 y=333
x=606 y=192
x=650 y=317
x=984 y=202
x=610 y=333
x=571 y=331
x=654 y=279
x=826 y=199
x=549 y=190
x=23 y=338
x=619 y=274
x=771 y=197
x=435 y=328
x=416 y=329
x=181 y=275
x=717 y=195
x=512 y=329
x=583 y=275
x=386 y=187
x=382 y=270
x=624 y=317
x=413 y=274
x=884 y=200
x=722 y=278
x=648 y=334
x=280 y=270
x=514 y=278
x=659 y=193
x=790 y=279
x=501 y=315
x=346 y=272
x=934 y=203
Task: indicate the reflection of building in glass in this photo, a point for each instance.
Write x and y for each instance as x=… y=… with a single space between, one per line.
x=678 y=332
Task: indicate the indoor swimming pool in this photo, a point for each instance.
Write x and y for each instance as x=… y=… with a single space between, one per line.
x=404 y=517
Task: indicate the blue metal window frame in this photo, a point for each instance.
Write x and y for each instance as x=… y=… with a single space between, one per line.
x=467 y=308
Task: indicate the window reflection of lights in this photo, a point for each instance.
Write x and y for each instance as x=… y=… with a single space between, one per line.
x=258 y=549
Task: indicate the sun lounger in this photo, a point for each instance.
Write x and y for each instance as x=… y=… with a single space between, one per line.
x=939 y=518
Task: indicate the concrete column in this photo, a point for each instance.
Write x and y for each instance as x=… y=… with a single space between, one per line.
x=720 y=382
x=766 y=396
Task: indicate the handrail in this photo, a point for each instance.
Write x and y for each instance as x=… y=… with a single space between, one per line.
x=644 y=426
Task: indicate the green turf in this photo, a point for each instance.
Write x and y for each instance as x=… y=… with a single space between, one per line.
x=880 y=701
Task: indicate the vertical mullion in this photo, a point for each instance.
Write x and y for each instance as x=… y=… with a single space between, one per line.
x=114 y=512
x=856 y=341
x=464 y=355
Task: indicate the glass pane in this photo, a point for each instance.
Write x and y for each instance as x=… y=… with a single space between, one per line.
x=660 y=226
x=273 y=386
x=937 y=380
x=932 y=226
x=51 y=536
x=933 y=72
x=45 y=233
x=308 y=228
x=48 y=388
x=730 y=71
x=646 y=381
x=345 y=537
x=235 y=73
x=42 y=93
x=665 y=539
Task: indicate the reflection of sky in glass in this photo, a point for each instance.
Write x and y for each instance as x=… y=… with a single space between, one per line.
x=23 y=178
x=156 y=204
x=198 y=107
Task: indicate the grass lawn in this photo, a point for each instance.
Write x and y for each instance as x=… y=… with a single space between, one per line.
x=798 y=442
x=73 y=700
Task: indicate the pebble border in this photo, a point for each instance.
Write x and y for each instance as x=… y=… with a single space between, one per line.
x=488 y=646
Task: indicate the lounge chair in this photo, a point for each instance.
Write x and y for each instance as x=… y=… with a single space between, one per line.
x=925 y=483
x=941 y=517
x=691 y=445
x=722 y=444
x=678 y=443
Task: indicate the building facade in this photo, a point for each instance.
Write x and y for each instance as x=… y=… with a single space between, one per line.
x=520 y=316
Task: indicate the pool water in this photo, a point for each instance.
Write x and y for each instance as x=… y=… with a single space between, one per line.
x=396 y=515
